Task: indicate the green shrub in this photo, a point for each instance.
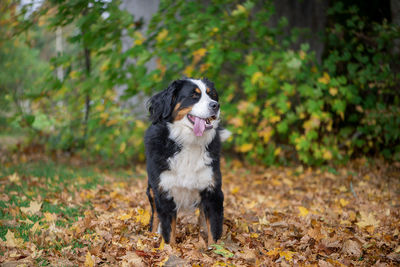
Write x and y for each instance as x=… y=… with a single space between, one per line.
x=280 y=104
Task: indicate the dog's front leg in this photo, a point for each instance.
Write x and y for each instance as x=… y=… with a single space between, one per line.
x=166 y=210
x=212 y=200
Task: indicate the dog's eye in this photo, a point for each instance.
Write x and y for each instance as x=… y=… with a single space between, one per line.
x=195 y=95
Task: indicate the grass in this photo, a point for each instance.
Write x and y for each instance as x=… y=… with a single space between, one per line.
x=44 y=182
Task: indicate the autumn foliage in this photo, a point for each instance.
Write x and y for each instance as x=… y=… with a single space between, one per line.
x=275 y=216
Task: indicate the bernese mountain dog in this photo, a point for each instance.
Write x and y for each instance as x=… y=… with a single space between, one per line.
x=183 y=146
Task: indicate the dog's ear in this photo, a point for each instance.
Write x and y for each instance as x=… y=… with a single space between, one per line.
x=162 y=104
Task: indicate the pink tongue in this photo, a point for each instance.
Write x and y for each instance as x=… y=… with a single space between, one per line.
x=199 y=126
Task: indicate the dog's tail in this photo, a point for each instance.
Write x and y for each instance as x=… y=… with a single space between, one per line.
x=224 y=134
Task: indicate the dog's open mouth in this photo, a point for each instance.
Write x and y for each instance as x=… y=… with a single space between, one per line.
x=201 y=124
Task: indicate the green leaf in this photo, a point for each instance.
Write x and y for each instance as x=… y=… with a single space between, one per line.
x=219 y=249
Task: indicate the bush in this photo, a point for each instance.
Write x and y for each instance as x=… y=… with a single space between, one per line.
x=280 y=103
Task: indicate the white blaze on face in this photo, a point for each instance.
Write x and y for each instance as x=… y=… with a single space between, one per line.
x=201 y=108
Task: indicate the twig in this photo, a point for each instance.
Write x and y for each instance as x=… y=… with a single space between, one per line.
x=352 y=189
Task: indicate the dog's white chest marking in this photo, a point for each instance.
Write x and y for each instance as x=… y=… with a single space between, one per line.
x=190 y=173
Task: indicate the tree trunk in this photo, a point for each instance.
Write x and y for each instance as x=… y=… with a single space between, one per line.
x=306 y=14
x=88 y=67
x=59 y=51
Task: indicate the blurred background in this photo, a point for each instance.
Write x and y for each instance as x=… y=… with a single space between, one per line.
x=300 y=81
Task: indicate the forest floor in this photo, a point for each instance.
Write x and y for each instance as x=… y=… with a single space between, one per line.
x=65 y=214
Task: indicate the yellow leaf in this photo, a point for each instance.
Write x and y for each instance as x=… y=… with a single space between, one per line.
x=143 y=216
x=303 y=211
x=200 y=52
x=140 y=124
x=50 y=217
x=343 y=189
x=254 y=235
x=302 y=55
x=100 y=108
x=327 y=155
x=263 y=221
x=14 y=178
x=245 y=148
x=266 y=134
x=34 y=207
x=188 y=70
x=277 y=151
x=333 y=91
x=122 y=147
x=12 y=241
x=235 y=190
x=162 y=35
x=236 y=121
x=73 y=74
x=125 y=216
x=138 y=38
x=89 y=261
x=343 y=202
x=367 y=219
x=104 y=67
x=273 y=252
x=274 y=119
x=36 y=227
x=204 y=67
x=140 y=245
x=287 y=254
x=256 y=77
x=325 y=79
x=240 y=9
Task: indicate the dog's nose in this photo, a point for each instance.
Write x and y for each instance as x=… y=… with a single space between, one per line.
x=214 y=106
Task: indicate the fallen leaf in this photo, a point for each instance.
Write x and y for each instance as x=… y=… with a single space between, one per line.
x=132 y=259
x=367 y=219
x=394 y=257
x=175 y=261
x=303 y=211
x=34 y=207
x=288 y=255
x=14 y=178
x=343 y=202
x=12 y=241
x=352 y=248
x=322 y=263
x=143 y=216
x=35 y=228
x=89 y=261
x=219 y=249
x=273 y=252
x=50 y=217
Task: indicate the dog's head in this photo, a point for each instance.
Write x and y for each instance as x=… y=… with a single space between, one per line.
x=191 y=102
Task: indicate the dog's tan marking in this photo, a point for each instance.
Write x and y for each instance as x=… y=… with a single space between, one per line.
x=182 y=113
x=201 y=222
x=172 y=239
x=208 y=90
x=198 y=90
x=210 y=239
x=155 y=223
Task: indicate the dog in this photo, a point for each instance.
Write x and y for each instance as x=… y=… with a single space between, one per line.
x=183 y=146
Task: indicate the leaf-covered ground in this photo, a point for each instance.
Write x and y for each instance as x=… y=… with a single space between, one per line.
x=66 y=215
